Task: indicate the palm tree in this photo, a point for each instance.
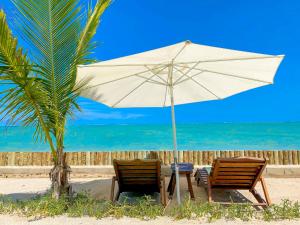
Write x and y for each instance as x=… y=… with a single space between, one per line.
x=38 y=86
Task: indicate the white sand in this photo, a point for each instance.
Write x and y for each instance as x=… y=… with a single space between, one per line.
x=14 y=220
x=22 y=188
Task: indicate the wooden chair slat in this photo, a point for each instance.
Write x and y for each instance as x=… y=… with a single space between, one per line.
x=237 y=173
x=138 y=167
x=138 y=175
x=132 y=163
x=235 y=177
x=232 y=186
x=138 y=178
x=247 y=164
x=242 y=160
x=218 y=181
x=237 y=169
x=134 y=171
x=142 y=182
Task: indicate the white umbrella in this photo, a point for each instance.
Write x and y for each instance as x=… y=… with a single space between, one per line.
x=176 y=74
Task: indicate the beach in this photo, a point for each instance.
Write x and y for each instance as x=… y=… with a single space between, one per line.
x=99 y=188
x=159 y=110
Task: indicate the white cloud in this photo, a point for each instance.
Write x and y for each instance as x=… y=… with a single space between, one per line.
x=93 y=115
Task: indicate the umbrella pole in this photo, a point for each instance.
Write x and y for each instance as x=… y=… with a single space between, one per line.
x=174 y=135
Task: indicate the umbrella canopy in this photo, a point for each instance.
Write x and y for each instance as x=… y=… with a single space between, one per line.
x=199 y=73
x=177 y=74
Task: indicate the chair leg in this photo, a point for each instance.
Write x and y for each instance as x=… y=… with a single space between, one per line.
x=265 y=190
x=117 y=195
x=188 y=178
x=258 y=198
x=163 y=192
x=112 y=191
x=209 y=191
x=197 y=177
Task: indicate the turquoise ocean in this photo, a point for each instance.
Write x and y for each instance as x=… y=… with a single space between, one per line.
x=205 y=136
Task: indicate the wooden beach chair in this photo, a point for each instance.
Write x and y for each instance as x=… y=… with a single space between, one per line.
x=140 y=176
x=237 y=174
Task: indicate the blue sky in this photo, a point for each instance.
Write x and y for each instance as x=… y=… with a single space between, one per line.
x=263 y=26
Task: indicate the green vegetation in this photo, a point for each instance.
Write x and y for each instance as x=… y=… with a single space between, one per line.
x=81 y=205
x=215 y=211
x=38 y=84
x=286 y=210
x=144 y=209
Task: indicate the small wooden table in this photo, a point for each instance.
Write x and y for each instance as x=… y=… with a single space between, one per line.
x=184 y=169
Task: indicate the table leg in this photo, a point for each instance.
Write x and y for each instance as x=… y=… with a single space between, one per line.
x=188 y=178
x=172 y=187
x=170 y=183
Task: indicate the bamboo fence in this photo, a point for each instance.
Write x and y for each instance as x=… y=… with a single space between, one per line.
x=277 y=157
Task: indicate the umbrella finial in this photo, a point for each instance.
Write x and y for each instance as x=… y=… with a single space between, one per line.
x=188 y=42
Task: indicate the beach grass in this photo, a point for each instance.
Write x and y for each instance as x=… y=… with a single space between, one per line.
x=82 y=205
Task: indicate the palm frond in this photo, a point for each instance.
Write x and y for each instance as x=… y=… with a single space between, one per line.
x=23 y=99
x=84 y=48
x=51 y=27
x=85 y=44
x=9 y=53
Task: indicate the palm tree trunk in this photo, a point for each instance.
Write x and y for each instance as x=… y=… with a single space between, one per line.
x=59 y=176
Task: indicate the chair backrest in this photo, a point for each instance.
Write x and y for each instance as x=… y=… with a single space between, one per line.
x=138 y=175
x=240 y=172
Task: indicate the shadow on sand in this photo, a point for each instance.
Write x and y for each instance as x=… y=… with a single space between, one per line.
x=99 y=188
